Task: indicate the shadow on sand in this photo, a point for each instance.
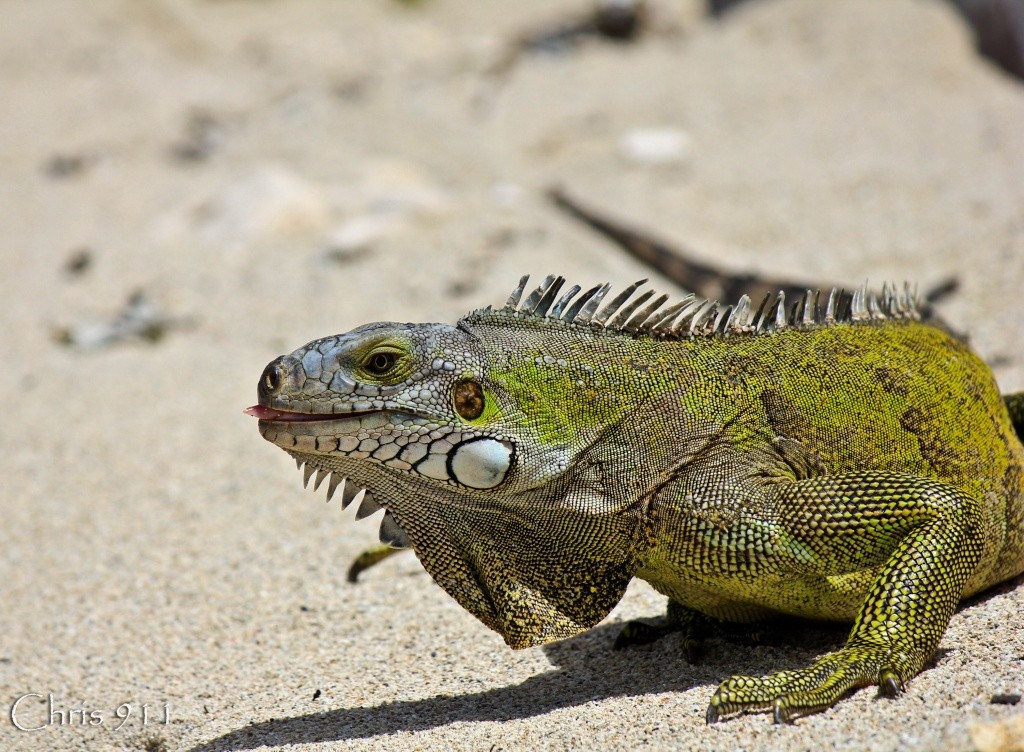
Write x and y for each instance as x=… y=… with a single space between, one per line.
x=587 y=670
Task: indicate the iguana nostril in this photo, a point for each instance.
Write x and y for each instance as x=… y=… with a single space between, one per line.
x=282 y=378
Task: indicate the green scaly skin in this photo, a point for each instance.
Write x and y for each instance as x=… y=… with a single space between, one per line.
x=865 y=470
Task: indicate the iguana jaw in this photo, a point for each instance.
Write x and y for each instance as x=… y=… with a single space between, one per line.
x=401 y=441
x=346 y=446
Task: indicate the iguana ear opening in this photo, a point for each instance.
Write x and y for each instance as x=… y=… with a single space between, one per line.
x=522 y=575
x=468 y=398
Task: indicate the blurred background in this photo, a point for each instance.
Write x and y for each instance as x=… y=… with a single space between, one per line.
x=189 y=188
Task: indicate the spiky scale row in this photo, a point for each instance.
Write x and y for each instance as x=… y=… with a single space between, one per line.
x=693 y=316
x=390 y=534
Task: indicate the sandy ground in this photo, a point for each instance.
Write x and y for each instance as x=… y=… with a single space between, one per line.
x=271 y=172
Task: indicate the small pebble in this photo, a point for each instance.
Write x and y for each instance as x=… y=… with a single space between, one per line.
x=358 y=235
x=267 y=202
x=655 y=146
x=78 y=262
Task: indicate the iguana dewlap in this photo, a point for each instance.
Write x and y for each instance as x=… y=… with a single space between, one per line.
x=836 y=460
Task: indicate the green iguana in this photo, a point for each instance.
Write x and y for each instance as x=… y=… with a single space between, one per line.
x=836 y=460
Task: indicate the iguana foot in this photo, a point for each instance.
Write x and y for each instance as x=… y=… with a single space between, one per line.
x=792 y=694
x=695 y=627
x=638 y=632
x=692 y=624
x=643 y=633
x=370 y=558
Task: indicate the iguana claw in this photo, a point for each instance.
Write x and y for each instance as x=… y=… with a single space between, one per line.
x=889 y=685
x=780 y=714
x=712 y=715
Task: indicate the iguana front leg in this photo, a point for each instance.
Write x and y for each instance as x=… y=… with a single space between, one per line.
x=927 y=537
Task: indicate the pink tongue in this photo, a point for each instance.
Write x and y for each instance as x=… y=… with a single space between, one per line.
x=284 y=416
x=264 y=413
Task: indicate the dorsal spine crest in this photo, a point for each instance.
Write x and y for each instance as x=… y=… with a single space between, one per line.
x=693 y=316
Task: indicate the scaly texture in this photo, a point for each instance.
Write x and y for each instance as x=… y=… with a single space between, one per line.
x=834 y=459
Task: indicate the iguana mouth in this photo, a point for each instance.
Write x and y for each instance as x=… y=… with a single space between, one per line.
x=286 y=416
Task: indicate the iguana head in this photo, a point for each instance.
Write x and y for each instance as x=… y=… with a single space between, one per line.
x=406 y=399
x=482 y=472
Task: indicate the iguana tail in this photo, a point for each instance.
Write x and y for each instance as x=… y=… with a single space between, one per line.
x=1015 y=406
x=709 y=281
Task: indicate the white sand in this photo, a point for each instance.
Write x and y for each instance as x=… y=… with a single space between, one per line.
x=155 y=550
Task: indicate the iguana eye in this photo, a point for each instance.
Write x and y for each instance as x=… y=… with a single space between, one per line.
x=380 y=363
